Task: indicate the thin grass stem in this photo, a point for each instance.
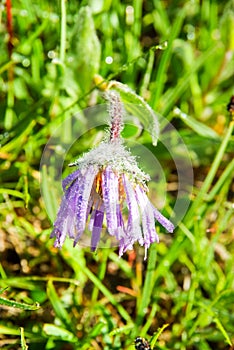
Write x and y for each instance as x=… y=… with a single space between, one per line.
x=63 y=31
x=210 y=176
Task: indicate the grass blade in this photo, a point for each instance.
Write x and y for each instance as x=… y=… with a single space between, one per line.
x=58 y=307
x=23 y=341
x=19 y=305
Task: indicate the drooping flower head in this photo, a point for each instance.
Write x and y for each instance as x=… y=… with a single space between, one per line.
x=108 y=190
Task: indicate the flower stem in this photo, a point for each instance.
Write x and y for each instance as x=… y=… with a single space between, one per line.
x=116 y=115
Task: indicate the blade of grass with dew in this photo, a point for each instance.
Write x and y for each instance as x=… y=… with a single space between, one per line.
x=19 y=305
x=15 y=145
x=200 y=128
x=157 y=335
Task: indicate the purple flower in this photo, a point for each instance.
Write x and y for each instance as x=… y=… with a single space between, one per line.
x=108 y=190
x=107 y=184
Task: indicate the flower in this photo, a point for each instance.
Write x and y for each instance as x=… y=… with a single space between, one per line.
x=108 y=189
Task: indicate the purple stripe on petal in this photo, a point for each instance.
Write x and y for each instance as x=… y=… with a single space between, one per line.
x=72 y=205
x=120 y=222
x=65 y=221
x=110 y=198
x=64 y=209
x=97 y=228
x=120 y=231
x=162 y=220
x=70 y=178
x=86 y=184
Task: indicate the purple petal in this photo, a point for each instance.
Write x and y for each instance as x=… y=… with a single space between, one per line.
x=120 y=222
x=125 y=244
x=97 y=228
x=70 y=178
x=72 y=205
x=60 y=234
x=162 y=220
x=120 y=231
x=147 y=217
x=134 y=224
x=110 y=198
x=94 y=208
x=63 y=214
x=86 y=184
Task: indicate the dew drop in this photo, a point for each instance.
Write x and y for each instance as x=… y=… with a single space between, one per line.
x=129 y=15
x=26 y=62
x=51 y=54
x=109 y=60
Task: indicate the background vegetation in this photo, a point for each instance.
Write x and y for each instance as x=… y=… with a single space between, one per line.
x=178 y=55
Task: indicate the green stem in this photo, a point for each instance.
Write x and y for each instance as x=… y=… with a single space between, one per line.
x=149 y=69
x=148 y=285
x=227 y=172
x=101 y=274
x=63 y=31
x=211 y=175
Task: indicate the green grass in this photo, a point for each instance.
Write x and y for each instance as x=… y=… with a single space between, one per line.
x=178 y=56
